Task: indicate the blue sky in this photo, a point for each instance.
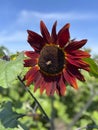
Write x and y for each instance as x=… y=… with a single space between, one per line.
x=16 y=16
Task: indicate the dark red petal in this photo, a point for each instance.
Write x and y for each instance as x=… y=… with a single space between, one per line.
x=53 y=80
x=53 y=33
x=30 y=62
x=61 y=87
x=79 y=54
x=31 y=54
x=75 y=45
x=31 y=78
x=49 y=83
x=35 y=40
x=53 y=88
x=43 y=86
x=75 y=72
x=70 y=79
x=36 y=77
x=30 y=75
x=31 y=72
x=38 y=82
x=45 y=33
x=63 y=35
x=50 y=88
x=79 y=63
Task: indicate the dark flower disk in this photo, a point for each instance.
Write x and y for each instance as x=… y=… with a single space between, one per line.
x=55 y=60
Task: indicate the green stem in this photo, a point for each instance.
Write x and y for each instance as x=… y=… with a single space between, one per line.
x=26 y=88
x=52 y=114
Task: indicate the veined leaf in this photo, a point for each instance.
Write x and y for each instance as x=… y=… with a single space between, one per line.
x=93 y=67
x=9 y=70
x=8 y=117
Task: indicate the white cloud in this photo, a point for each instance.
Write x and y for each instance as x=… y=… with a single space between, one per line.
x=16 y=41
x=28 y=15
x=18 y=36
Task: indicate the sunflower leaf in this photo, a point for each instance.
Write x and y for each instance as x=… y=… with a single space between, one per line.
x=16 y=128
x=93 y=67
x=8 y=117
x=9 y=70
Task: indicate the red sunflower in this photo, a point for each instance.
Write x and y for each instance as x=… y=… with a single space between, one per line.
x=56 y=60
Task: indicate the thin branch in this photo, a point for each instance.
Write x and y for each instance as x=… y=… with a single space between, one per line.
x=26 y=88
x=75 y=119
x=52 y=114
x=86 y=127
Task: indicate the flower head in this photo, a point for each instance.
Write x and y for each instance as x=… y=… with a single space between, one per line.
x=56 y=60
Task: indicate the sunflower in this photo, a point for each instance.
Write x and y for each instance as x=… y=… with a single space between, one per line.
x=55 y=60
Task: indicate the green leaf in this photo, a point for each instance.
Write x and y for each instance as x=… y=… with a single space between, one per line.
x=9 y=70
x=93 y=67
x=8 y=117
x=3 y=128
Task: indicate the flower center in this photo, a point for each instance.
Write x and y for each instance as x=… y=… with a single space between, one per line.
x=51 y=60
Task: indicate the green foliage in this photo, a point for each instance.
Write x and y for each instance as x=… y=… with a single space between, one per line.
x=93 y=67
x=9 y=70
x=8 y=117
x=3 y=50
x=3 y=128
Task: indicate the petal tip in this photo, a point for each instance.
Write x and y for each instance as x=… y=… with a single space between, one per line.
x=68 y=25
x=28 y=31
x=85 y=40
x=42 y=23
x=55 y=22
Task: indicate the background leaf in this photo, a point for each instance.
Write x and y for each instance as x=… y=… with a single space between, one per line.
x=93 y=67
x=8 y=117
x=9 y=70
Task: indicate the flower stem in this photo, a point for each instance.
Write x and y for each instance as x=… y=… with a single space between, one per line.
x=26 y=88
x=52 y=114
